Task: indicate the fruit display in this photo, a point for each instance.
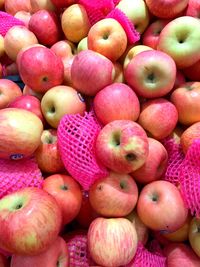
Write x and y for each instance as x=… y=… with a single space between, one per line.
x=99 y=133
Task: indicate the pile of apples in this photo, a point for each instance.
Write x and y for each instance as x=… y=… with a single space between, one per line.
x=141 y=93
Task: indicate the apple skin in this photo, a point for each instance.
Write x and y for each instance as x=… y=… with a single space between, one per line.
x=47 y=154
x=29 y=226
x=28 y=91
x=161 y=207
x=2 y=48
x=155 y=164
x=40 y=68
x=194 y=235
x=1 y=71
x=119 y=73
x=13 y=6
x=193 y=72
x=179 y=39
x=114 y=196
x=17 y=138
x=159 y=117
x=57 y=252
x=42 y=20
x=37 y=5
x=112 y=242
x=87 y=69
x=122 y=146
x=193 y=8
x=124 y=105
x=151 y=73
x=82 y=44
x=64 y=49
x=180 y=79
x=67 y=193
x=191 y=133
x=23 y=16
x=8 y=92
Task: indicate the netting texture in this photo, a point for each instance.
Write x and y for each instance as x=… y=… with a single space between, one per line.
x=7 y=21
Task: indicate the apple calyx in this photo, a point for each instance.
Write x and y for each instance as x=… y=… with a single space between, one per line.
x=122 y=184
x=64 y=187
x=48 y=138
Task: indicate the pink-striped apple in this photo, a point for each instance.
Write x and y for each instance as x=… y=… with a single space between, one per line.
x=13 y=6
x=193 y=8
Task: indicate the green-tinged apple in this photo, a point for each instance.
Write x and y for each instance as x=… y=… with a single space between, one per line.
x=112 y=242
x=59 y=101
x=194 y=235
x=151 y=73
x=17 y=38
x=23 y=16
x=8 y=92
x=114 y=196
x=42 y=4
x=87 y=69
x=56 y=255
x=13 y=6
x=17 y=137
x=158 y=117
x=193 y=9
x=137 y=12
x=124 y=105
x=40 y=68
x=75 y=23
x=155 y=164
x=108 y=38
x=2 y=48
x=180 y=40
x=122 y=146
x=191 y=133
x=30 y=221
x=161 y=207
x=193 y=72
x=67 y=193
x=47 y=154
x=82 y=44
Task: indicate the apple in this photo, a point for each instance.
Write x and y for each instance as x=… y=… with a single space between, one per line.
x=63 y=4
x=56 y=255
x=158 y=117
x=16 y=38
x=11 y=69
x=194 y=235
x=193 y=72
x=180 y=40
x=67 y=62
x=124 y=105
x=161 y=207
x=82 y=44
x=13 y=6
x=114 y=196
x=20 y=132
x=2 y=48
x=137 y=12
x=42 y=20
x=67 y=193
x=180 y=79
x=119 y=73
x=151 y=73
x=166 y=9
x=122 y=146
x=193 y=8
x=4 y=262
x=47 y=153
x=40 y=68
x=155 y=164
x=64 y=49
x=42 y=4
x=2 y=4
x=75 y=23
x=108 y=38
x=23 y=16
x=112 y=242
x=9 y=91
x=59 y=101
x=87 y=69
x=1 y=71
x=30 y=221
x=28 y=91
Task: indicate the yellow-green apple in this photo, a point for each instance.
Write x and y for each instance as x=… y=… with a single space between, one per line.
x=28 y=91
x=155 y=164
x=75 y=23
x=2 y=48
x=151 y=73
x=13 y=6
x=87 y=69
x=63 y=4
x=141 y=229
x=40 y=68
x=119 y=73
x=193 y=72
x=180 y=254
x=151 y=35
x=42 y=4
x=161 y=207
x=42 y=20
x=158 y=117
x=124 y=105
x=17 y=137
x=47 y=153
x=114 y=196
x=112 y=242
x=194 y=235
x=9 y=91
x=67 y=193
x=59 y=101
x=193 y=8
x=23 y=16
x=166 y=9
x=4 y=262
x=180 y=40
x=108 y=37
x=30 y=221
x=180 y=79
x=82 y=44
x=16 y=38
x=56 y=255
x=186 y=100
x=191 y=133
x=122 y=146
x=137 y=12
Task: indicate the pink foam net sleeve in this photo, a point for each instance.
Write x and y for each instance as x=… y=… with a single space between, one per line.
x=76 y=139
x=7 y=21
x=18 y=174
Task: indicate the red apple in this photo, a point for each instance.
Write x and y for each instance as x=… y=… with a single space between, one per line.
x=30 y=221
x=180 y=79
x=122 y=146
x=193 y=72
x=13 y=6
x=4 y=262
x=28 y=91
x=193 y=8
x=63 y=4
x=23 y=16
x=161 y=207
x=64 y=49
